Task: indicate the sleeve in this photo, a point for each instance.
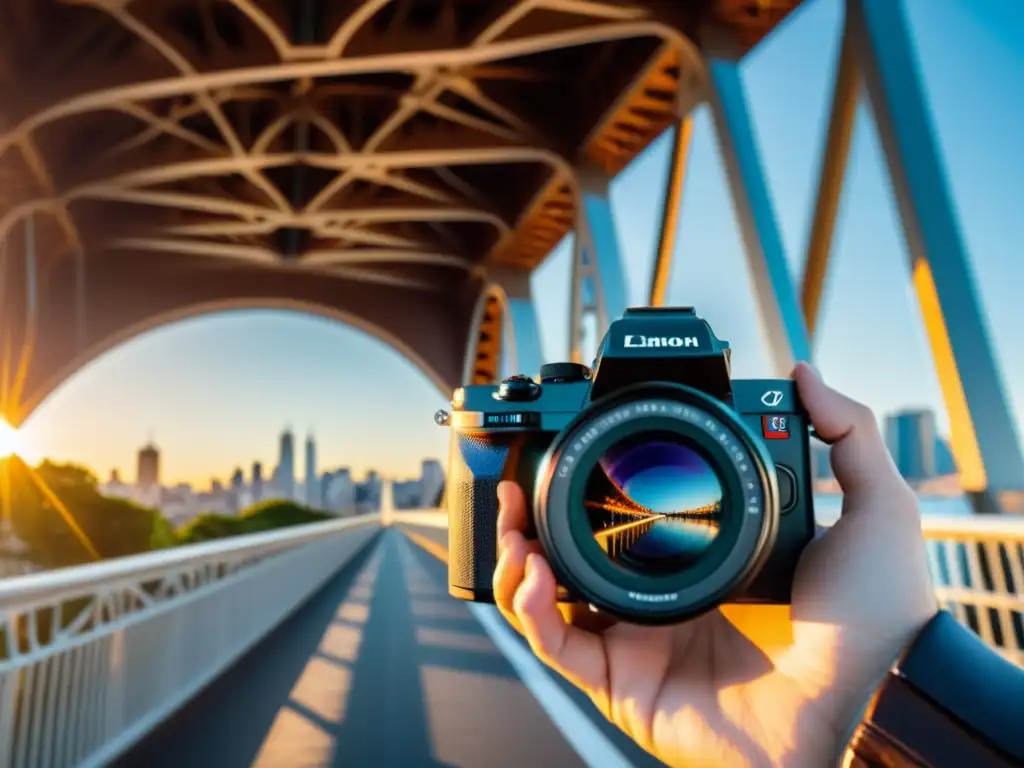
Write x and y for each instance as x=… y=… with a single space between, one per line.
x=951 y=701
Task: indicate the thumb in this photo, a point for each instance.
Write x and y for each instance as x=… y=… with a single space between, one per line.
x=860 y=460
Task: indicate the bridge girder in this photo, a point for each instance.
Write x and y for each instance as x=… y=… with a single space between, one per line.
x=401 y=163
x=361 y=158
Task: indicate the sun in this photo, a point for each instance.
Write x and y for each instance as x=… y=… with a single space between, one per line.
x=11 y=442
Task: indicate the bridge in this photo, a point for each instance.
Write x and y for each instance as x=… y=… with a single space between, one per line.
x=625 y=521
x=401 y=166
x=616 y=539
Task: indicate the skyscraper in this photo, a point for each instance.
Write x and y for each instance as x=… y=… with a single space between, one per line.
x=257 y=482
x=149 y=467
x=339 y=491
x=431 y=482
x=945 y=463
x=312 y=481
x=285 y=480
x=910 y=437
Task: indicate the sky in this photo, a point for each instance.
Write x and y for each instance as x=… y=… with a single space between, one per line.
x=215 y=392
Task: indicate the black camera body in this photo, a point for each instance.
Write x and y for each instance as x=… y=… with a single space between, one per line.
x=658 y=486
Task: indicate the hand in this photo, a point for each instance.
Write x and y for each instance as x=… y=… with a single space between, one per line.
x=701 y=693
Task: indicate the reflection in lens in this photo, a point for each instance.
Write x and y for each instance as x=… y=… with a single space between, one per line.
x=653 y=503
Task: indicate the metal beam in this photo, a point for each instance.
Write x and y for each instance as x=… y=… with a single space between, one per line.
x=984 y=439
x=671 y=209
x=781 y=318
x=80 y=300
x=830 y=183
x=504 y=336
x=598 y=280
x=521 y=350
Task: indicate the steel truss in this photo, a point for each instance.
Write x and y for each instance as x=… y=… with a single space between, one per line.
x=195 y=149
x=876 y=52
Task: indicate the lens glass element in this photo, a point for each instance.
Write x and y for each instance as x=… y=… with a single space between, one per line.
x=654 y=503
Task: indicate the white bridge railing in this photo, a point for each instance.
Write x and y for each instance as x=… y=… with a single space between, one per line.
x=977 y=566
x=93 y=657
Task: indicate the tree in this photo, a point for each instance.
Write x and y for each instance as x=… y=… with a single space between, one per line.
x=60 y=514
x=267 y=516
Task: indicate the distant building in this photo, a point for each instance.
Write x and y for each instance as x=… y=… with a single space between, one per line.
x=148 y=474
x=407 y=494
x=910 y=437
x=239 y=497
x=257 y=482
x=284 y=479
x=945 y=464
x=117 y=488
x=339 y=492
x=312 y=485
x=431 y=482
x=368 y=492
x=180 y=505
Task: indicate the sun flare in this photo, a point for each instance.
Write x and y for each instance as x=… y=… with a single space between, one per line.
x=11 y=441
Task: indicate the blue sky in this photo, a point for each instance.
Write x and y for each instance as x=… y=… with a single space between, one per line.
x=214 y=392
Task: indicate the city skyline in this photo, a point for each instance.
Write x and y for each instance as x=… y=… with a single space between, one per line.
x=211 y=388
x=149 y=455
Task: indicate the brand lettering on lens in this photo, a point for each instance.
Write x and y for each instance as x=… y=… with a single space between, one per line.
x=645 y=342
x=653 y=598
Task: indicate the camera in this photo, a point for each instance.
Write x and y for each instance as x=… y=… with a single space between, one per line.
x=659 y=487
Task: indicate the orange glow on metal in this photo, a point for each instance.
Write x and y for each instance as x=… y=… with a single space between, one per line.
x=963 y=439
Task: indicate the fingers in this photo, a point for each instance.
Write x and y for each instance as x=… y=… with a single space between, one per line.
x=860 y=460
x=509 y=572
x=511 y=509
x=576 y=654
x=512 y=548
x=524 y=591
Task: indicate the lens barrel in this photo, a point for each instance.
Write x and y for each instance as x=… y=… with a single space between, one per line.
x=656 y=504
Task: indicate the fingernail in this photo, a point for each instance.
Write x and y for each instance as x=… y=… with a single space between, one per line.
x=502 y=495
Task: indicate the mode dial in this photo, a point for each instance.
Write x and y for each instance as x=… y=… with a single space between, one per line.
x=563 y=373
x=518 y=389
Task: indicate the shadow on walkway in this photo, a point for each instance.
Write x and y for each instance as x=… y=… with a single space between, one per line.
x=381 y=667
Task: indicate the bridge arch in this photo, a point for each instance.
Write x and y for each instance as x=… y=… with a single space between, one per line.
x=111 y=341
x=503 y=332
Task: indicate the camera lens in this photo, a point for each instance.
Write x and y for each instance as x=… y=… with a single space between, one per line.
x=654 y=503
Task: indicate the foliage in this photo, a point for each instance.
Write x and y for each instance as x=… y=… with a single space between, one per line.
x=40 y=502
x=262 y=517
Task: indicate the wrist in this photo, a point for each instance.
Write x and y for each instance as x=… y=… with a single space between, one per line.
x=864 y=698
x=853 y=719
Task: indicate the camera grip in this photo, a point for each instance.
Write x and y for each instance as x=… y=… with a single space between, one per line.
x=476 y=464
